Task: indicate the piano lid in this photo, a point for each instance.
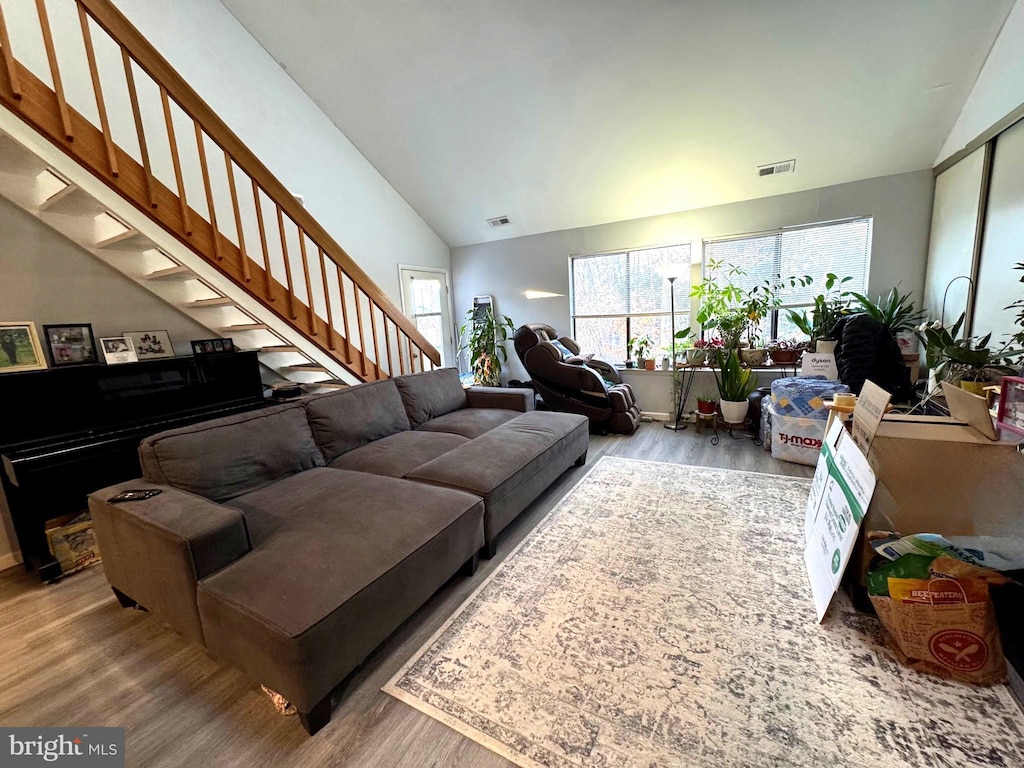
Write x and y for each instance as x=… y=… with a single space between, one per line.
x=41 y=405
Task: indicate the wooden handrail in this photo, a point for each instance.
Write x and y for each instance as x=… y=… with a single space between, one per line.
x=147 y=58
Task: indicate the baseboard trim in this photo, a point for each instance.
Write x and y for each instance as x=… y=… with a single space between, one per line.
x=10 y=560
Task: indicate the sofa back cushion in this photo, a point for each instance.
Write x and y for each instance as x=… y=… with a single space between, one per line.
x=349 y=418
x=431 y=394
x=224 y=458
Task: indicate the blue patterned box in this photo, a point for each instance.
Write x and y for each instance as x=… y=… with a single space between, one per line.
x=804 y=396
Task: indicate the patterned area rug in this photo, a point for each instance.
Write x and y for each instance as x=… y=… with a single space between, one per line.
x=661 y=616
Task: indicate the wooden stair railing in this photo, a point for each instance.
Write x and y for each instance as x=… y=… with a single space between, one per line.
x=311 y=286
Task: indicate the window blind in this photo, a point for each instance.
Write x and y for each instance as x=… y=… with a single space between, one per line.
x=842 y=248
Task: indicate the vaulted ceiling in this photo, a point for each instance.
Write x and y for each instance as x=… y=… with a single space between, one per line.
x=567 y=113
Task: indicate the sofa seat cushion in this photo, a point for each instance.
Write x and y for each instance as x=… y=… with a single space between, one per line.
x=512 y=464
x=354 y=416
x=339 y=560
x=470 y=422
x=397 y=455
x=234 y=455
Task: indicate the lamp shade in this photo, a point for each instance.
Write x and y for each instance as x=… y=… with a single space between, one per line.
x=672 y=271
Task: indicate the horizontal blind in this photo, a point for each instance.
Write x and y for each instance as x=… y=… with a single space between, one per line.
x=842 y=248
x=629 y=283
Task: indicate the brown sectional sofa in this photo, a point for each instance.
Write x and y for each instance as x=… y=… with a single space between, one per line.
x=291 y=541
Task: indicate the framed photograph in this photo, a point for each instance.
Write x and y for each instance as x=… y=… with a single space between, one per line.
x=149 y=345
x=118 y=349
x=71 y=344
x=19 y=348
x=212 y=346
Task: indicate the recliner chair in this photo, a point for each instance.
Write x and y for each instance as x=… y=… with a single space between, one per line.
x=573 y=383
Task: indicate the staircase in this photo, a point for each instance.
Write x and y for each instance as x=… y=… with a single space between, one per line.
x=185 y=210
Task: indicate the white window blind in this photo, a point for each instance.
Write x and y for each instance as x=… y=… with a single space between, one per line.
x=842 y=248
x=618 y=296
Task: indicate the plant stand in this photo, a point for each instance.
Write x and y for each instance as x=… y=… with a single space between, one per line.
x=732 y=428
x=704 y=419
x=686 y=376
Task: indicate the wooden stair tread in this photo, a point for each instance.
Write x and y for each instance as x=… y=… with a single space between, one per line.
x=219 y=301
x=280 y=348
x=307 y=368
x=171 y=273
x=246 y=327
x=328 y=384
x=129 y=240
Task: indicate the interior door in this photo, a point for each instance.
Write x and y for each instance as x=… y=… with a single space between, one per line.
x=425 y=301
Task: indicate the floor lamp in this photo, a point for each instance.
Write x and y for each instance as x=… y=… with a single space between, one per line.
x=670 y=272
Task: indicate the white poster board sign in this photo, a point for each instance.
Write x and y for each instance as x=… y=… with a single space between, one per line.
x=820 y=364
x=840 y=493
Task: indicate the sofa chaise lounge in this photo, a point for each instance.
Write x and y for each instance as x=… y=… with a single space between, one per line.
x=291 y=541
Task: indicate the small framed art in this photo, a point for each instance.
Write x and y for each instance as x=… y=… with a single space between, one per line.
x=70 y=344
x=212 y=346
x=117 y=350
x=19 y=348
x=149 y=345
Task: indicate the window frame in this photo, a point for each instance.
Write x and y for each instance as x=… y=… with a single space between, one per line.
x=627 y=316
x=773 y=317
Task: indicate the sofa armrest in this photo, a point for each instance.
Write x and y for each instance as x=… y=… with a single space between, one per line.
x=155 y=551
x=511 y=398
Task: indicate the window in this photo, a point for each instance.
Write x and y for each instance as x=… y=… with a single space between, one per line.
x=840 y=247
x=618 y=296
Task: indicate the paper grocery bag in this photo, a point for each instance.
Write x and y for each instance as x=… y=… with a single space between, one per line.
x=946 y=627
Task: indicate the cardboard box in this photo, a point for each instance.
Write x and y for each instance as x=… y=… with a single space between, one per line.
x=74 y=545
x=941 y=475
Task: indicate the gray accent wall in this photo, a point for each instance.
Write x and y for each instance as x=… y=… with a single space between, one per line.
x=901 y=206
x=46 y=278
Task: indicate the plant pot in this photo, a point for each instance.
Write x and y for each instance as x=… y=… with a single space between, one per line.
x=707 y=407
x=826 y=346
x=753 y=357
x=648 y=364
x=666 y=364
x=629 y=363
x=734 y=411
x=974 y=387
x=696 y=356
x=785 y=356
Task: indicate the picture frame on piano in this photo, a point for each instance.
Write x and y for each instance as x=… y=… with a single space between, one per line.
x=212 y=346
x=149 y=345
x=20 y=349
x=118 y=349
x=71 y=344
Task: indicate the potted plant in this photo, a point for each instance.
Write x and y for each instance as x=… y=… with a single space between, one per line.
x=785 y=351
x=973 y=366
x=482 y=337
x=681 y=345
x=701 y=349
x=706 y=403
x=758 y=303
x=828 y=308
x=735 y=383
x=898 y=314
x=639 y=347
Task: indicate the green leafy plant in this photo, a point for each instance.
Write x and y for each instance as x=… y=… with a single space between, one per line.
x=735 y=383
x=763 y=299
x=683 y=341
x=638 y=347
x=896 y=311
x=967 y=359
x=828 y=308
x=482 y=337
x=707 y=397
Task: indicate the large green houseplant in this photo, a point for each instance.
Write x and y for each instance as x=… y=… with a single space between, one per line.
x=482 y=337
x=735 y=383
x=829 y=306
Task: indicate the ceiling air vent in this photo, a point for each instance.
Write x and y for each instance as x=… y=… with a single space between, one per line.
x=499 y=221
x=774 y=169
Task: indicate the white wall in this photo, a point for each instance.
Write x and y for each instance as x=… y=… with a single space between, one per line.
x=901 y=206
x=46 y=278
x=998 y=90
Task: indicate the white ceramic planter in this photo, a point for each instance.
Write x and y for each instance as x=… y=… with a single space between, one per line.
x=826 y=347
x=734 y=411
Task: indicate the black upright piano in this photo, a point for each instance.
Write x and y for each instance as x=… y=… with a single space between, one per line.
x=65 y=432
